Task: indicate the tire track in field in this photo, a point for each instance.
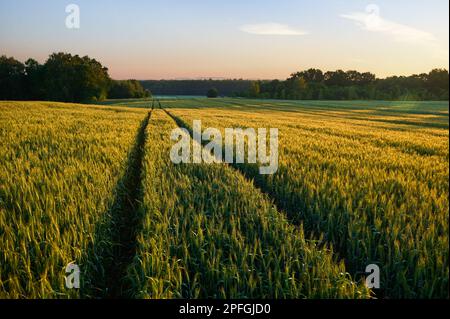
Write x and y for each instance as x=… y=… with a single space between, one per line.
x=250 y=172
x=111 y=280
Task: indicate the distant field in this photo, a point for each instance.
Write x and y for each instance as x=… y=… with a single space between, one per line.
x=358 y=183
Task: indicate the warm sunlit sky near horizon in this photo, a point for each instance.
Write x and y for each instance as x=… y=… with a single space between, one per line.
x=256 y=39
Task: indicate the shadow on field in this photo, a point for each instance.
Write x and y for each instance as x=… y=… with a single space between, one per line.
x=114 y=244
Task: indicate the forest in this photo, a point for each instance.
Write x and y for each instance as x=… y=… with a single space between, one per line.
x=314 y=84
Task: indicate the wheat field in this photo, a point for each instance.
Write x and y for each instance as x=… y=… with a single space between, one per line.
x=358 y=183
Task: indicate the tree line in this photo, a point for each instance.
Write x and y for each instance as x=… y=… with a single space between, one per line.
x=313 y=84
x=227 y=87
x=63 y=77
x=71 y=78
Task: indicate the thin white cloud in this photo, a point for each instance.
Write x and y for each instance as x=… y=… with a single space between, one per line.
x=371 y=20
x=271 y=29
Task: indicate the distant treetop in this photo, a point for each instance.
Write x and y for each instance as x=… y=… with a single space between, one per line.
x=212 y=93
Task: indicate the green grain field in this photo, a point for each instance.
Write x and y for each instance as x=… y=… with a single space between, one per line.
x=358 y=183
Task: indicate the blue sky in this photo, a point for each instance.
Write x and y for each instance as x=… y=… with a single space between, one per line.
x=248 y=39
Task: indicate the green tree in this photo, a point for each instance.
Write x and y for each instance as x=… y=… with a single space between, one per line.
x=75 y=79
x=212 y=93
x=12 y=79
x=437 y=83
x=255 y=89
x=127 y=89
x=34 y=79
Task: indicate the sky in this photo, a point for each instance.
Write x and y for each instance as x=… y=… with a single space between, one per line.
x=251 y=39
